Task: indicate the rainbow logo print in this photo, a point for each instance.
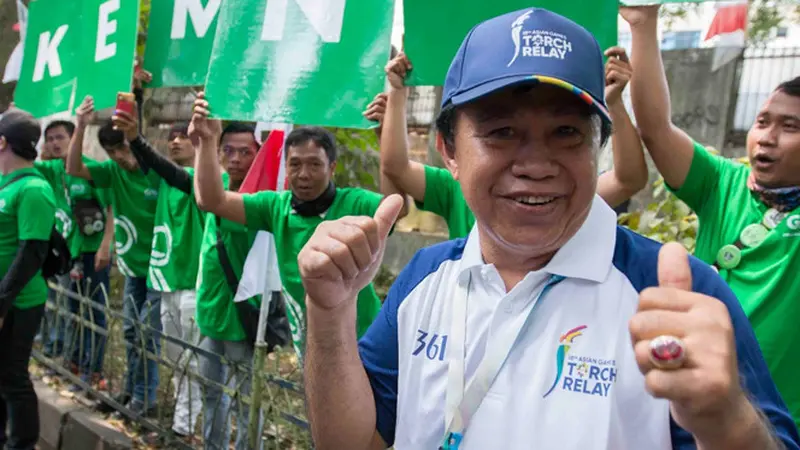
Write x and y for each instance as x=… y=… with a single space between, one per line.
x=561 y=354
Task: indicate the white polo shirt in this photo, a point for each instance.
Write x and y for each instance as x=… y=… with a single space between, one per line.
x=571 y=381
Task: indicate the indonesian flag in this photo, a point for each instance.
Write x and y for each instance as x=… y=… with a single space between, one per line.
x=14 y=64
x=268 y=173
x=728 y=27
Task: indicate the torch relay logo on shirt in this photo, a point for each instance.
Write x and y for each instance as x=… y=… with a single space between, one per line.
x=537 y=43
x=581 y=374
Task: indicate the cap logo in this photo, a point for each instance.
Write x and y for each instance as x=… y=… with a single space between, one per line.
x=537 y=43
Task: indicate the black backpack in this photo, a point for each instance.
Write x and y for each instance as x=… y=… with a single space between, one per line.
x=59 y=259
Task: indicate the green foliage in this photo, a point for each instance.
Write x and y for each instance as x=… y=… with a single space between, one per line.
x=666 y=219
x=358 y=163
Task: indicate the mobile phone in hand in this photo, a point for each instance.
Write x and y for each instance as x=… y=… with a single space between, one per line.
x=126 y=101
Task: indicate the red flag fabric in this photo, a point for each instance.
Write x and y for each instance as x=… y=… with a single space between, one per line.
x=728 y=19
x=268 y=172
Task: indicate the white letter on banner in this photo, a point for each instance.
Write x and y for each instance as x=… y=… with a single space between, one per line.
x=47 y=54
x=326 y=16
x=105 y=28
x=201 y=17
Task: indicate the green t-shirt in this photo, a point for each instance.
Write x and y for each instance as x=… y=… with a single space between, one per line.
x=53 y=171
x=443 y=197
x=134 y=197
x=177 y=237
x=27 y=212
x=76 y=189
x=216 y=314
x=272 y=212
x=765 y=281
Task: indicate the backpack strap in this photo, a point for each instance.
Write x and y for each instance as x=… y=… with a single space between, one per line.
x=15 y=179
x=225 y=261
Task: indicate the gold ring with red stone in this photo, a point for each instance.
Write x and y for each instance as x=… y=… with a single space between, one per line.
x=667 y=352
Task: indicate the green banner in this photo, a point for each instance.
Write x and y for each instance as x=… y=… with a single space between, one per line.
x=74 y=49
x=50 y=62
x=179 y=41
x=435 y=29
x=311 y=62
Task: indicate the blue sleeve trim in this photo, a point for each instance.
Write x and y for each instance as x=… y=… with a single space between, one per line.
x=637 y=258
x=378 y=346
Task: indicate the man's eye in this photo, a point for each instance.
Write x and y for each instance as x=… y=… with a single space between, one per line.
x=567 y=131
x=761 y=121
x=501 y=133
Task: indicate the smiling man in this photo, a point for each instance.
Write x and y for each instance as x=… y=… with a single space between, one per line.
x=549 y=326
x=749 y=216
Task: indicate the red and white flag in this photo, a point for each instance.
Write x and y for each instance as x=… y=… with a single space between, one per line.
x=728 y=27
x=268 y=173
x=14 y=64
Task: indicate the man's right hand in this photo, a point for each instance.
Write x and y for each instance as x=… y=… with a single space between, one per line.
x=343 y=256
x=396 y=71
x=638 y=15
x=85 y=112
x=201 y=127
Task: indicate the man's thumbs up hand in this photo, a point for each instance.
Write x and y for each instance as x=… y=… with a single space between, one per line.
x=343 y=255
x=704 y=392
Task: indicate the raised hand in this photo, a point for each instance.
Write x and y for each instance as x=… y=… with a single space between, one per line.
x=377 y=108
x=342 y=256
x=201 y=127
x=127 y=123
x=396 y=71
x=618 y=74
x=638 y=15
x=85 y=112
x=704 y=390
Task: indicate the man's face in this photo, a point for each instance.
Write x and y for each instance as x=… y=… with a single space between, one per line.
x=56 y=141
x=238 y=152
x=181 y=149
x=122 y=155
x=773 y=142
x=525 y=158
x=309 y=170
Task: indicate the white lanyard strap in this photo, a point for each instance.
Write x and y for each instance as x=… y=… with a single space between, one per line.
x=461 y=404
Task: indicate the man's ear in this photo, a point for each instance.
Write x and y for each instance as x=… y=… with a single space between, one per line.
x=447 y=154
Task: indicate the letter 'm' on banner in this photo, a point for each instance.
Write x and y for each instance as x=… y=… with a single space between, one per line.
x=326 y=16
x=47 y=54
x=105 y=28
x=201 y=17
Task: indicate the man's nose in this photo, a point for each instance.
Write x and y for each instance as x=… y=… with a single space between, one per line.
x=533 y=160
x=769 y=137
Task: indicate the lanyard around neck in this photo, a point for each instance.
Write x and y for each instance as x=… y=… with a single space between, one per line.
x=462 y=404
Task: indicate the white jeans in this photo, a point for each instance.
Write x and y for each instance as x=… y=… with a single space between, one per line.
x=177 y=318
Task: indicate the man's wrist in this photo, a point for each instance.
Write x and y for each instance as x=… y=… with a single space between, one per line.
x=743 y=428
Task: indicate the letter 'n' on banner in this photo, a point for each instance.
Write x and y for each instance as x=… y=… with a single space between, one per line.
x=76 y=48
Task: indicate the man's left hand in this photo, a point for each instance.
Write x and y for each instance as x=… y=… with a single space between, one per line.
x=377 y=108
x=705 y=396
x=141 y=77
x=102 y=259
x=618 y=74
x=127 y=123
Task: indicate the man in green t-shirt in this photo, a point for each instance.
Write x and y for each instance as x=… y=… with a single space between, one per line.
x=82 y=217
x=435 y=189
x=174 y=258
x=133 y=196
x=293 y=215
x=749 y=217
x=27 y=211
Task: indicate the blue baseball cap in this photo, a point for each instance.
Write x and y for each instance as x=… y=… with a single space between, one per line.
x=529 y=45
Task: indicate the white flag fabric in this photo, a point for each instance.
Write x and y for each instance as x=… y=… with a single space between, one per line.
x=14 y=64
x=261 y=273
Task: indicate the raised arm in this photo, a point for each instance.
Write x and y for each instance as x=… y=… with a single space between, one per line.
x=211 y=196
x=377 y=111
x=406 y=177
x=629 y=174
x=339 y=260
x=671 y=148
x=74 y=164
x=147 y=157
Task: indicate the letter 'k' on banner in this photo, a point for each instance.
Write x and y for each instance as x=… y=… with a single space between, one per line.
x=315 y=62
x=76 y=48
x=435 y=29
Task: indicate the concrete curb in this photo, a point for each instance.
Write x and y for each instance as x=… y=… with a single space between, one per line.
x=66 y=425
